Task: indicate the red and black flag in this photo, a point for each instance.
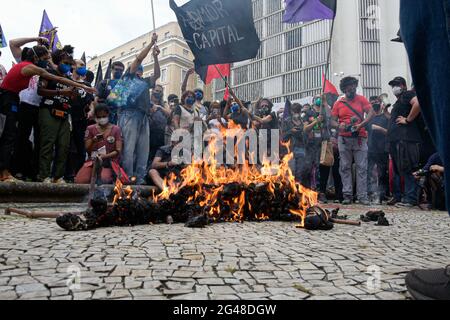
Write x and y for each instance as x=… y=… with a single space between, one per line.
x=209 y=73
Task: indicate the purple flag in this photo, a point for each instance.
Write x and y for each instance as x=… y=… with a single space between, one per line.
x=308 y=10
x=3 y=42
x=48 y=31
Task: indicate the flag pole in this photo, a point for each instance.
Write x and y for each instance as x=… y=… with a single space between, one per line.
x=153 y=15
x=223 y=78
x=327 y=67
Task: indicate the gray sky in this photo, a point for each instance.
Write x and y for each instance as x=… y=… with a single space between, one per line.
x=94 y=26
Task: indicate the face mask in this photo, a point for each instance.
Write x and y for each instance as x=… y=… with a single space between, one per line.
x=102 y=121
x=397 y=91
x=118 y=74
x=234 y=108
x=198 y=96
x=351 y=94
x=157 y=95
x=318 y=102
x=190 y=101
x=82 y=71
x=42 y=64
x=296 y=116
x=376 y=107
x=64 y=68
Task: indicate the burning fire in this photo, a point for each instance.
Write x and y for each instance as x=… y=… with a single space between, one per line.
x=208 y=179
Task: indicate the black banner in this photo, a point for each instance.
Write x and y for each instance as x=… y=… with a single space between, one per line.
x=218 y=31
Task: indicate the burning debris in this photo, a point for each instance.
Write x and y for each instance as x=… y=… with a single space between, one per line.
x=205 y=193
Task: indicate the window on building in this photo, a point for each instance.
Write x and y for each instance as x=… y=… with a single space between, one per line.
x=185 y=52
x=122 y=53
x=163 y=75
x=144 y=44
x=164 y=52
x=183 y=74
x=166 y=35
x=293 y=39
x=132 y=49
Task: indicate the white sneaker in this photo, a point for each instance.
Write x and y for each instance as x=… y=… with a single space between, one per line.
x=59 y=181
x=47 y=181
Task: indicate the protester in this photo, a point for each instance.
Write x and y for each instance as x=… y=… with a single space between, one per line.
x=163 y=165
x=236 y=113
x=348 y=115
x=158 y=118
x=104 y=141
x=173 y=101
x=80 y=107
x=54 y=119
x=18 y=78
x=26 y=156
x=293 y=132
x=404 y=139
x=185 y=114
x=199 y=95
x=105 y=87
x=133 y=119
x=316 y=122
x=378 y=156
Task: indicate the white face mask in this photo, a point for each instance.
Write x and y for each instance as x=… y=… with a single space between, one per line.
x=102 y=121
x=397 y=91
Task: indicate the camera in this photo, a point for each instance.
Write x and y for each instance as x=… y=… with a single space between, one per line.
x=422 y=173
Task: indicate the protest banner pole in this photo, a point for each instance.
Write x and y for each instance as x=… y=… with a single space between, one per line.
x=327 y=67
x=153 y=17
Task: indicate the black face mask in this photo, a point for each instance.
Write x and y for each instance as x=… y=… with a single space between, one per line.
x=351 y=95
x=376 y=107
x=42 y=64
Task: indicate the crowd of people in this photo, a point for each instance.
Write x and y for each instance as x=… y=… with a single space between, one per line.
x=56 y=124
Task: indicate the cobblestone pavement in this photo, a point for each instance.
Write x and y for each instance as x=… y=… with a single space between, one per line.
x=268 y=260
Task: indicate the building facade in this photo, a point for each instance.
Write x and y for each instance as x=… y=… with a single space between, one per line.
x=293 y=57
x=175 y=59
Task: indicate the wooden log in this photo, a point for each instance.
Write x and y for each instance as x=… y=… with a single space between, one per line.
x=36 y=215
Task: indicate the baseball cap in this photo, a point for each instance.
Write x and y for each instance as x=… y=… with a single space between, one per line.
x=398 y=80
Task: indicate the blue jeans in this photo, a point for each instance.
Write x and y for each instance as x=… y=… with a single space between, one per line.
x=136 y=139
x=425 y=31
x=411 y=189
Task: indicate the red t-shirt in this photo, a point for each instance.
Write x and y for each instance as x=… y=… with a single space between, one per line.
x=345 y=115
x=110 y=139
x=15 y=81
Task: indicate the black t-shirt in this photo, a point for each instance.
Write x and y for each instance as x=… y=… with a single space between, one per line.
x=80 y=104
x=241 y=119
x=409 y=132
x=378 y=140
x=56 y=102
x=273 y=124
x=165 y=153
x=317 y=134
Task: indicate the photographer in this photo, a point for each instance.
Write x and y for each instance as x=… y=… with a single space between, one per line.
x=431 y=178
x=348 y=115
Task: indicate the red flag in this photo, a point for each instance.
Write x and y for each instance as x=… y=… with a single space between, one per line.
x=329 y=87
x=209 y=73
x=227 y=94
